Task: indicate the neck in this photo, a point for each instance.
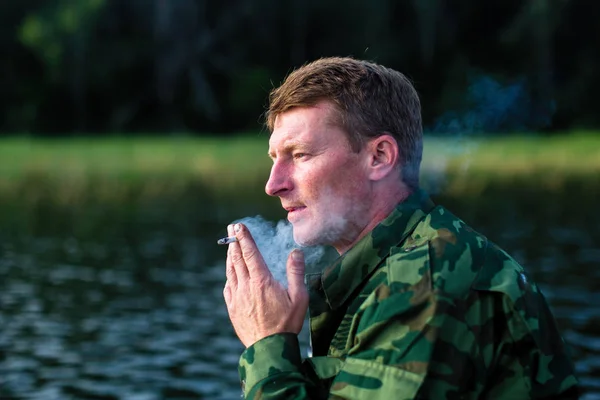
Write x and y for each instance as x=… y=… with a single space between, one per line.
x=385 y=204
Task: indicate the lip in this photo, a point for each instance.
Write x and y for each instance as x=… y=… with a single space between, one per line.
x=294 y=212
x=294 y=207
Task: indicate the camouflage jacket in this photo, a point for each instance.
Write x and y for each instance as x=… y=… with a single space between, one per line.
x=421 y=308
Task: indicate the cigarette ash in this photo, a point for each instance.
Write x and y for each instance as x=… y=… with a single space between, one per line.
x=275 y=241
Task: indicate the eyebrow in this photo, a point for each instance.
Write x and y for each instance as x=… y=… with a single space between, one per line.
x=287 y=148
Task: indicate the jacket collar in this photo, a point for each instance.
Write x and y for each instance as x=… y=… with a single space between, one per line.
x=345 y=275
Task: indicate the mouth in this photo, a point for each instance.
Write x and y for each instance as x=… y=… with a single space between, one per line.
x=294 y=212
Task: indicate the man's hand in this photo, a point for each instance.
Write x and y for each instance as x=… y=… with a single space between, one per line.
x=257 y=304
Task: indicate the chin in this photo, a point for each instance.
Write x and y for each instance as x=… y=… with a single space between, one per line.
x=323 y=233
x=309 y=239
x=304 y=238
x=305 y=241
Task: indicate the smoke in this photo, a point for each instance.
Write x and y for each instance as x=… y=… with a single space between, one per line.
x=276 y=241
x=487 y=106
x=438 y=153
x=492 y=106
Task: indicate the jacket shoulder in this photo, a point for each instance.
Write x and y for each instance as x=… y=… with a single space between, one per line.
x=456 y=252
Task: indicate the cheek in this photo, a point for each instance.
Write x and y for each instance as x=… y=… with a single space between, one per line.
x=348 y=182
x=310 y=183
x=331 y=181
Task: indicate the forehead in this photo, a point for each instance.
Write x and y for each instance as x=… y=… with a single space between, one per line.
x=304 y=124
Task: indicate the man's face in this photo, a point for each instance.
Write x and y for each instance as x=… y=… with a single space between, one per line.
x=321 y=181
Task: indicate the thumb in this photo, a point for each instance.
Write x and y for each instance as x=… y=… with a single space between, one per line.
x=295 y=275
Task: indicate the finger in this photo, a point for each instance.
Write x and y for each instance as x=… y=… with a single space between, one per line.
x=227 y=294
x=234 y=253
x=229 y=267
x=295 y=275
x=254 y=260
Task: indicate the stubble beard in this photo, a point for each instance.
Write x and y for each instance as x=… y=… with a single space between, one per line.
x=324 y=232
x=326 y=229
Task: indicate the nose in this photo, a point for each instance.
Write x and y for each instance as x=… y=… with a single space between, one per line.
x=279 y=181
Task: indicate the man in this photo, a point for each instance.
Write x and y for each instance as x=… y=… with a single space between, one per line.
x=418 y=305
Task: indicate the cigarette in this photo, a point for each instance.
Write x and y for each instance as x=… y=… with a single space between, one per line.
x=227 y=240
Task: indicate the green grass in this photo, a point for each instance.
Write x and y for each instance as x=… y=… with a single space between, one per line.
x=547 y=163
x=574 y=152
x=142 y=156
x=112 y=167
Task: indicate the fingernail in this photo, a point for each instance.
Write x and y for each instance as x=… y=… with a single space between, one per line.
x=237 y=228
x=297 y=255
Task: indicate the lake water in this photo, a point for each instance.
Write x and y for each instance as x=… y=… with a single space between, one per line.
x=101 y=303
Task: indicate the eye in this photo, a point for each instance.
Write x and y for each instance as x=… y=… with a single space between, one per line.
x=300 y=155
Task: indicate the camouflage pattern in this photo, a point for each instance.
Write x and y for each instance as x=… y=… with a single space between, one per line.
x=421 y=308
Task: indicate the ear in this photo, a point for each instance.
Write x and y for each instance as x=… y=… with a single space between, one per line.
x=383 y=156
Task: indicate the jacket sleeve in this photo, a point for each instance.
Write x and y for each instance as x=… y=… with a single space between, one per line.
x=409 y=339
x=530 y=358
x=272 y=369
x=385 y=356
x=383 y=345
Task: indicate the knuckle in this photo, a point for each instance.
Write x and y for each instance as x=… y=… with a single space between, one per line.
x=250 y=254
x=227 y=296
x=261 y=283
x=301 y=299
x=230 y=275
x=296 y=269
x=236 y=258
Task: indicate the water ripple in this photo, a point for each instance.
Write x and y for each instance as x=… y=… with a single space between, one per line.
x=143 y=318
